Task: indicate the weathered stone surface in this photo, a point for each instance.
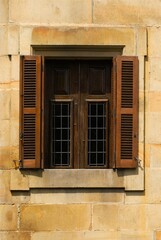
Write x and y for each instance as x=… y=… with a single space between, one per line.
x=8 y=217
x=134 y=178
x=69 y=217
x=5 y=101
x=132 y=217
x=153 y=219
x=82 y=36
x=19 y=180
x=153 y=128
x=154 y=69
x=14 y=132
x=15 y=95
x=105 y=217
x=154 y=35
x=4 y=133
x=5 y=67
x=155 y=153
x=135 y=198
x=126 y=12
x=5 y=162
x=15 y=68
x=13 y=39
x=25 y=40
x=154 y=102
x=58 y=235
x=62 y=11
x=135 y=235
x=153 y=186
x=3 y=44
x=60 y=196
x=158 y=235
x=5 y=194
x=4 y=11
x=90 y=235
x=15 y=236
x=83 y=178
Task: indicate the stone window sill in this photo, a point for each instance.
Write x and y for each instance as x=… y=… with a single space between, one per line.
x=130 y=180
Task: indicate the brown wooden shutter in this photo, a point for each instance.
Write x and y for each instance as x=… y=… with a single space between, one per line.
x=126 y=111
x=30 y=112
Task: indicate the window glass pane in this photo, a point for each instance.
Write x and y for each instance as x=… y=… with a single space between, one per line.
x=96 y=134
x=60 y=134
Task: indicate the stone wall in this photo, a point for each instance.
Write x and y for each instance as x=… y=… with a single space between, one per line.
x=32 y=205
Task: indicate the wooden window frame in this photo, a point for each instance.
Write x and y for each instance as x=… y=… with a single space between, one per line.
x=116 y=163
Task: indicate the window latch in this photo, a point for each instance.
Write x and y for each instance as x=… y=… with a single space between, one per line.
x=139 y=162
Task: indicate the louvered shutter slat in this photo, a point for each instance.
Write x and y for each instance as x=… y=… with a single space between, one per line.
x=126 y=104
x=30 y=124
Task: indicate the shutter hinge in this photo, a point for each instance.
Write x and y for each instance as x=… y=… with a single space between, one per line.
x=18 y=164
x=139 y=162
x=21 y=136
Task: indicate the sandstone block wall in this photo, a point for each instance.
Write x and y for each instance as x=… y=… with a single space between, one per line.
x=32 y=205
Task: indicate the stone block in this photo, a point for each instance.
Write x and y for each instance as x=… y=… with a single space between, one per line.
x=15 y=97
x=5 y=101
x=58 y=235
x=134 y=178
x=14 y=132
x=14 y=156
x=15 y=236
x=126 y=12
x=158 y=235
x=4 y=6
x=25 y=40
x=4 y=133
x=20 y=197
x=141 y=73
x=54 y=12
x=132 y=217
x=84 y=36
x=102 y=235
x=155 y=153
x=153 y=128
x=69 y=217
x=105 y=217
x=19 y=180
x=135 y=198
x=141 y=42
x=154 y=84
x=5 y=68
x=8 y=217
x=5 y=162
x=154 y=101
x=153 y=185
x=65 y=196
x=153 y=216
x=5 y=194
x=13 y=39
x=83 y=178
x=4 y=46
x=154 y=33
x=141 y=127
x=135 y=235
x=15 y=68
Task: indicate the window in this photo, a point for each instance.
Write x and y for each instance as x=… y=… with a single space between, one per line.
x=79 y=113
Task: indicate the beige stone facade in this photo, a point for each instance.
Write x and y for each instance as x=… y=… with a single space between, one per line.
x=80 y=204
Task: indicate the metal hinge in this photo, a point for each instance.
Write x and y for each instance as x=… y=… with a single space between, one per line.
x=21 y=136
x=139 y=162
x=17 y=163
